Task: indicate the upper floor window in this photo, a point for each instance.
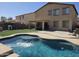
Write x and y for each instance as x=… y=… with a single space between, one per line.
x=66 y=10
x=56 y=12
x=22 y=16
x=49 y=12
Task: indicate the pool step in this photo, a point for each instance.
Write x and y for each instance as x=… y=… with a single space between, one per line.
x=6 y=51
x=13 y=55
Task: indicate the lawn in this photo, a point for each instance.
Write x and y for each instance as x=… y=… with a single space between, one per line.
x=10 y=32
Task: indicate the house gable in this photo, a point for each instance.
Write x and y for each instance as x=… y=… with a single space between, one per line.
x=57 y=4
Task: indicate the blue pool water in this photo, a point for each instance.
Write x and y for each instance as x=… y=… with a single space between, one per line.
x=29 y=46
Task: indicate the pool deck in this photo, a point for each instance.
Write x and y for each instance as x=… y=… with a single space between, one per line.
x=42 y=34
x=3 y=49
x=13 y=55
x=6 y=51
x=58 y=35
x=52 y=35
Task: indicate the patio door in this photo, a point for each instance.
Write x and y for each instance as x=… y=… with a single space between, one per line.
x=39 y=25
x=46 y=26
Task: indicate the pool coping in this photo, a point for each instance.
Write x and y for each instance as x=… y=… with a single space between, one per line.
x=6 y=51
x=29 y=34
x=11 y=36
x=17 y=34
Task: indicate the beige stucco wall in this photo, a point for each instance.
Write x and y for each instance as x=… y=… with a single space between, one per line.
x=27 y=18
x=42 y=15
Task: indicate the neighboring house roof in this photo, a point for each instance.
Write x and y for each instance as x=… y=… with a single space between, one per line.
x=26 y=14
x=53 y=3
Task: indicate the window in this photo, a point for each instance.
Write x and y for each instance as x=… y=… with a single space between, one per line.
x=66 y=10
x=55 y=23
x=65 y=23
x=56 y=12
x=22 y=16
x=49 y=12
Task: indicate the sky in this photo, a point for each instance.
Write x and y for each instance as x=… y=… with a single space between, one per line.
x=12 y=9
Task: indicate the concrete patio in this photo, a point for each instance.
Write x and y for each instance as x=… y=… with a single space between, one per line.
x=58 y=35
x=6 y=51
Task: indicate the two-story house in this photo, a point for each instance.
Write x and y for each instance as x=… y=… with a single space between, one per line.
x=51 y=16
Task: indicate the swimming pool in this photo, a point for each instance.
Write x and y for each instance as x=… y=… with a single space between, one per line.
x=32 y=46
